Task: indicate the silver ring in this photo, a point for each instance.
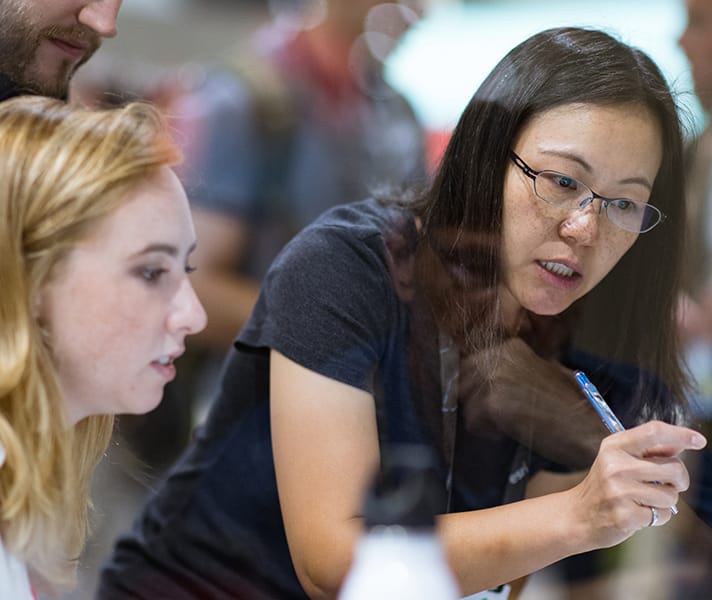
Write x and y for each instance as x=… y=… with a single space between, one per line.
x=654 y=517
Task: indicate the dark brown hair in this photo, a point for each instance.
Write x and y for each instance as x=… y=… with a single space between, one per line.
x=630 y=316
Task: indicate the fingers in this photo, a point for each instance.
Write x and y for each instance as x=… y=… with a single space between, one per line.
x=664 y=471
x=638 y=470
x=658 y=439
x=631 y=456
x=658 y=495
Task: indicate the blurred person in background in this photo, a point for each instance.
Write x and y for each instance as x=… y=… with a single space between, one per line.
x=299 y=119
x=95 y=238
x=696 y=300
x=454 y=318
x=293 y=121
x=696 y=313
x=44 y=42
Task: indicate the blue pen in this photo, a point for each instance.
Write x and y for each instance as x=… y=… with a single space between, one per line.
x=604 y=411
x=594 y=397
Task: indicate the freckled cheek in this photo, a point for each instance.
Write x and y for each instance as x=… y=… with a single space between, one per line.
x=115 y=330
x=525 y=227
x=619 y=247
x=524 y=212
x=610 y=254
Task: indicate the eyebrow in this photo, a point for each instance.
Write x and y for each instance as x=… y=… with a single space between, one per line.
x=580 y=160
x=168 y=249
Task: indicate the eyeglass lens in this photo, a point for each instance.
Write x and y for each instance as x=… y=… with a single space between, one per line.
x=561 y=190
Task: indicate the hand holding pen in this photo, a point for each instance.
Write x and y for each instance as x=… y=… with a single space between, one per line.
x=610 y=421
x=636 y=477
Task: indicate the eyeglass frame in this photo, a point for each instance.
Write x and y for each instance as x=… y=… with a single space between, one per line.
x=533 y=174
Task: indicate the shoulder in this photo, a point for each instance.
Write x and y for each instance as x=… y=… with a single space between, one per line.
x=333 y=276
x=360 y=232
x=330 y=302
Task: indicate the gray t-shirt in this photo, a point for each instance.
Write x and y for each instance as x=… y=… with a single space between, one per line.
x=338 y=301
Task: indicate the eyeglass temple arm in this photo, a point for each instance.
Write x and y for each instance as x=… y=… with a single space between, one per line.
x=528 y=171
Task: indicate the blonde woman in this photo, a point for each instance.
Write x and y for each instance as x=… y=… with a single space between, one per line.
x=95 y=240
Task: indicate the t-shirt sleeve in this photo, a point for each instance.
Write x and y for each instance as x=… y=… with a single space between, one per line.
x=327 y=303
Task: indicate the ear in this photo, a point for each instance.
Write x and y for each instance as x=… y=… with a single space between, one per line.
x=39 y=308
x=37 y=304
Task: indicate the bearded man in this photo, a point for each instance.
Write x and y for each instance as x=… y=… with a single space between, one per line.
x=44 y=42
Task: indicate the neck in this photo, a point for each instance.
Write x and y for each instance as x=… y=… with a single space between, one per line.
x=511 y=311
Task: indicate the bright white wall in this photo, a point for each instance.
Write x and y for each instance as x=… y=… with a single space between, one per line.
x=442 y=60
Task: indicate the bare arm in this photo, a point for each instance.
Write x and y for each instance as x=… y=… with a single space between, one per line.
x=228 y=298
x=609 y=505
x=326 y=448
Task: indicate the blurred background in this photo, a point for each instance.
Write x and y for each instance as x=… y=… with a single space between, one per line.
x=435 y=53
x=437 y=63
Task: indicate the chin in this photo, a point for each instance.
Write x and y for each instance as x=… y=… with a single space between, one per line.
x=149 y=405
x=552 y=311
x=547 y=306
x=547 y=309
x=140 y=404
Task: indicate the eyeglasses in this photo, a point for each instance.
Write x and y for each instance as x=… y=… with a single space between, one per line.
x=561 y=190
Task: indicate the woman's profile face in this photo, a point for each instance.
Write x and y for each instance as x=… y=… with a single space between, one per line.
x=552 y=256
x=120 y=306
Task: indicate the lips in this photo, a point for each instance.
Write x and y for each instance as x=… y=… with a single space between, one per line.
x=560 y=275
x=75 y=49
x=166 y=371
x=165 y=367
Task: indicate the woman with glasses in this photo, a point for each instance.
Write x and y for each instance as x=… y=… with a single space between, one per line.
x=549 y=241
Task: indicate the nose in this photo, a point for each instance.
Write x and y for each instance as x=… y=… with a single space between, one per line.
x=188 y=314
x=582 y=225
x=100 y=16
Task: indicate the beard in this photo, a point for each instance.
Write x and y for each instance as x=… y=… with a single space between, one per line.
x=20 y=39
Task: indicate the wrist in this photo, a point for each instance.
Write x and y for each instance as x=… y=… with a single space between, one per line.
x=575 y=529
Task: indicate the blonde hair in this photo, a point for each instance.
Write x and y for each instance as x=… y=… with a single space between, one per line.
x=62 y=169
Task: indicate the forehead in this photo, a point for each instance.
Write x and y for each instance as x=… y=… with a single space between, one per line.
x=584 y=121
x=155 y=211
x=616 y=142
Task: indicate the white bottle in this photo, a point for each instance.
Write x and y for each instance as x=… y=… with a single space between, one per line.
x=400 y=556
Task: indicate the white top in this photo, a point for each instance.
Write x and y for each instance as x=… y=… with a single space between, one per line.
x=14 y=582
